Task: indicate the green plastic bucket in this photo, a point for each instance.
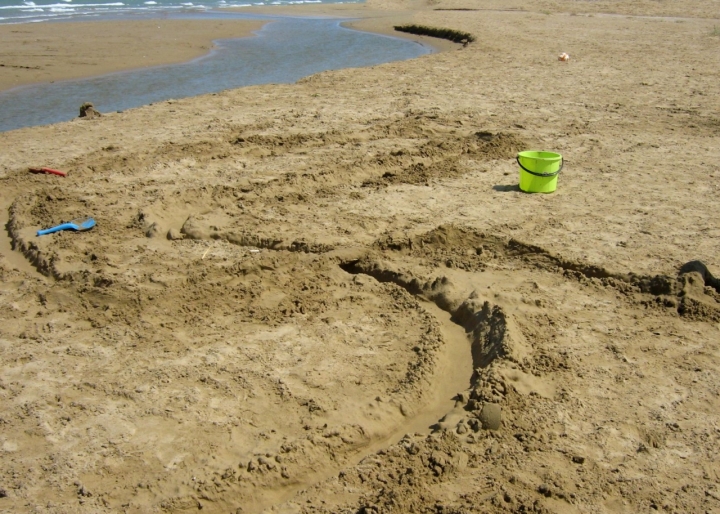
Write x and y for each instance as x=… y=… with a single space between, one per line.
x=539 y=171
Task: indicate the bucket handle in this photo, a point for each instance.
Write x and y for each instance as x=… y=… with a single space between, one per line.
x=562 y=163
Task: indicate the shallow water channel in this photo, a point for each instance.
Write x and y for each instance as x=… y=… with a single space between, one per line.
x=284 y=51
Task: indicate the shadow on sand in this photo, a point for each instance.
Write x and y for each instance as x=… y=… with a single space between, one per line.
x=506 y=188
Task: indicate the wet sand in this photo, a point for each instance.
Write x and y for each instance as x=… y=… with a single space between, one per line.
x=48 y=52
x=332 y=297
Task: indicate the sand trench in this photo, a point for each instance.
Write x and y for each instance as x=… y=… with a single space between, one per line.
x=498 y=291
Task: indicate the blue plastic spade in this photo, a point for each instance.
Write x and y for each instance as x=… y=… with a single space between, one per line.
x=78 y=224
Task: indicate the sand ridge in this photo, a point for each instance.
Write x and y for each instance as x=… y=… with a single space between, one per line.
x=332 y=297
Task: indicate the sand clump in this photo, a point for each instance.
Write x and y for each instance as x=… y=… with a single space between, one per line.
x=87 y=110
x=331 y=296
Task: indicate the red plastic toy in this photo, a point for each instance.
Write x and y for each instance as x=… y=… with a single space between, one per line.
x=48 y=170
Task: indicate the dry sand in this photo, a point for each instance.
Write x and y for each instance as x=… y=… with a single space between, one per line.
x=289 y=285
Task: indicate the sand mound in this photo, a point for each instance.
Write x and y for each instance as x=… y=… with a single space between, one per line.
x=87 y=110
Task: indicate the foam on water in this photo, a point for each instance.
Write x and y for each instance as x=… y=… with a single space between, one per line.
x=17 y=11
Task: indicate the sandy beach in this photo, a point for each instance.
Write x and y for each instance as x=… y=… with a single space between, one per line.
x=332 y=297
